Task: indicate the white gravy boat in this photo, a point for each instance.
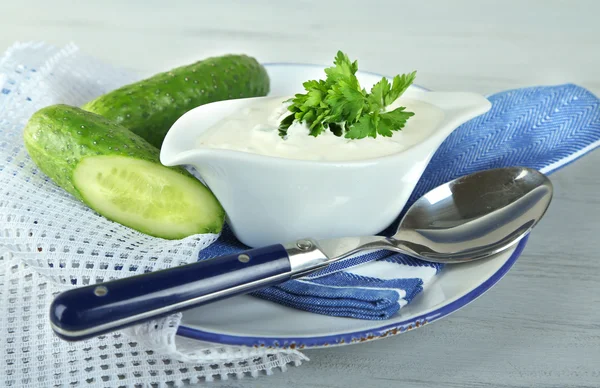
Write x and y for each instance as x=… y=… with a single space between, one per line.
x=272 y=200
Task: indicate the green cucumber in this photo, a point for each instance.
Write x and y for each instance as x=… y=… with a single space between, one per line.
x=118 y=174
x=151 y=106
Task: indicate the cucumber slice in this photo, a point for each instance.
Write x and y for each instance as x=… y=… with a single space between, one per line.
x=146 y=197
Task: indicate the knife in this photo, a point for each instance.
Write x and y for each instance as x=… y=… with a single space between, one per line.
x=93 y=310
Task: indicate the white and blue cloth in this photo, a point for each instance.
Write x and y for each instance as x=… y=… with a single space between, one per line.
x=538 y=127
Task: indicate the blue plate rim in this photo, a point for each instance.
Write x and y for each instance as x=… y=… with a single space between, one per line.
x=363 y=335
x=358 y=336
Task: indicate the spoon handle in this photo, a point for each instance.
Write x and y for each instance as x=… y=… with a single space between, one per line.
x=92 y=310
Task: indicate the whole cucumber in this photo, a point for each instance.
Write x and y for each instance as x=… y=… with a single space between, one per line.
x=118 y=174
x=151 y=106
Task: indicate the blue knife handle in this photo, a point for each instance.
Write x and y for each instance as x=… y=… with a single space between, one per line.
x=97 y=309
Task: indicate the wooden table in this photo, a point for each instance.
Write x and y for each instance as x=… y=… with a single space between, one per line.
x=539 y=326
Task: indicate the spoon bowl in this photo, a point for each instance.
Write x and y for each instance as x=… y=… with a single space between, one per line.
x=476 y=216
x=469 y=218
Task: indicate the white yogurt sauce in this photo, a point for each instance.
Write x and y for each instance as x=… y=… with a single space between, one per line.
x=255 y=130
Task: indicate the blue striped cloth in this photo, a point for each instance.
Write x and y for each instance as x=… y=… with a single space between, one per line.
x=539 y=127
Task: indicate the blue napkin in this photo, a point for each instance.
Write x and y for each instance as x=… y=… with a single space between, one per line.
x=544 y=128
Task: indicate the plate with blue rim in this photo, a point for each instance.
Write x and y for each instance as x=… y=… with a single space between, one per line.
x=249 y=321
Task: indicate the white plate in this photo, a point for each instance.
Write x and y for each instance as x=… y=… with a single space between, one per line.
x=246 y=320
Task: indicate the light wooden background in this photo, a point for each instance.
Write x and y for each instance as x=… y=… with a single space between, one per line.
x=539 y=327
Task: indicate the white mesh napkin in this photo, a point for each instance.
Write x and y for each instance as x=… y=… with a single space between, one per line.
x=50 y=241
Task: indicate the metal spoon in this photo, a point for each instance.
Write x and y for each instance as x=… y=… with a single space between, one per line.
x=470 y=218
x=467 y=219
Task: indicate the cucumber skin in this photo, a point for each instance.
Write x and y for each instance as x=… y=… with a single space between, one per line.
x=59 y=136
x=150 y=107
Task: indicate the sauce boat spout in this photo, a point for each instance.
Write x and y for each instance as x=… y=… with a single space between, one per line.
x=180 y=144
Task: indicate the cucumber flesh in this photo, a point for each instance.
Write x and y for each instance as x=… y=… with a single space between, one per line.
x=147 y=197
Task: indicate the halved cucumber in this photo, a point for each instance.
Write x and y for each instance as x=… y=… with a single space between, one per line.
x=119 y=174
x=147 y=197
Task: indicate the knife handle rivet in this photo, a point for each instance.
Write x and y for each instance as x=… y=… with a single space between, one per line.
x=243 y=258
x=304 y=245
x=100 y=291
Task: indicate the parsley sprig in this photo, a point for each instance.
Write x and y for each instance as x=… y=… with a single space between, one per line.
x=340 y=105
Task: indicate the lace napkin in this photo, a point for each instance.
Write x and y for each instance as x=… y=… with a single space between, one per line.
x=49 y=242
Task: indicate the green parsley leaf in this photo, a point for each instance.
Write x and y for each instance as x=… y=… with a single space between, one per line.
x=345 y=101
x=317 y=90
x=379 y=92
x=401 y=83
x=393 y=121
x=340 y=105
x=337 y=129
x=285 y=124
x=361 y=129
x=343 y=68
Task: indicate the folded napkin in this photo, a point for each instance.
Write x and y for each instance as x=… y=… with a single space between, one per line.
x=539 y=127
